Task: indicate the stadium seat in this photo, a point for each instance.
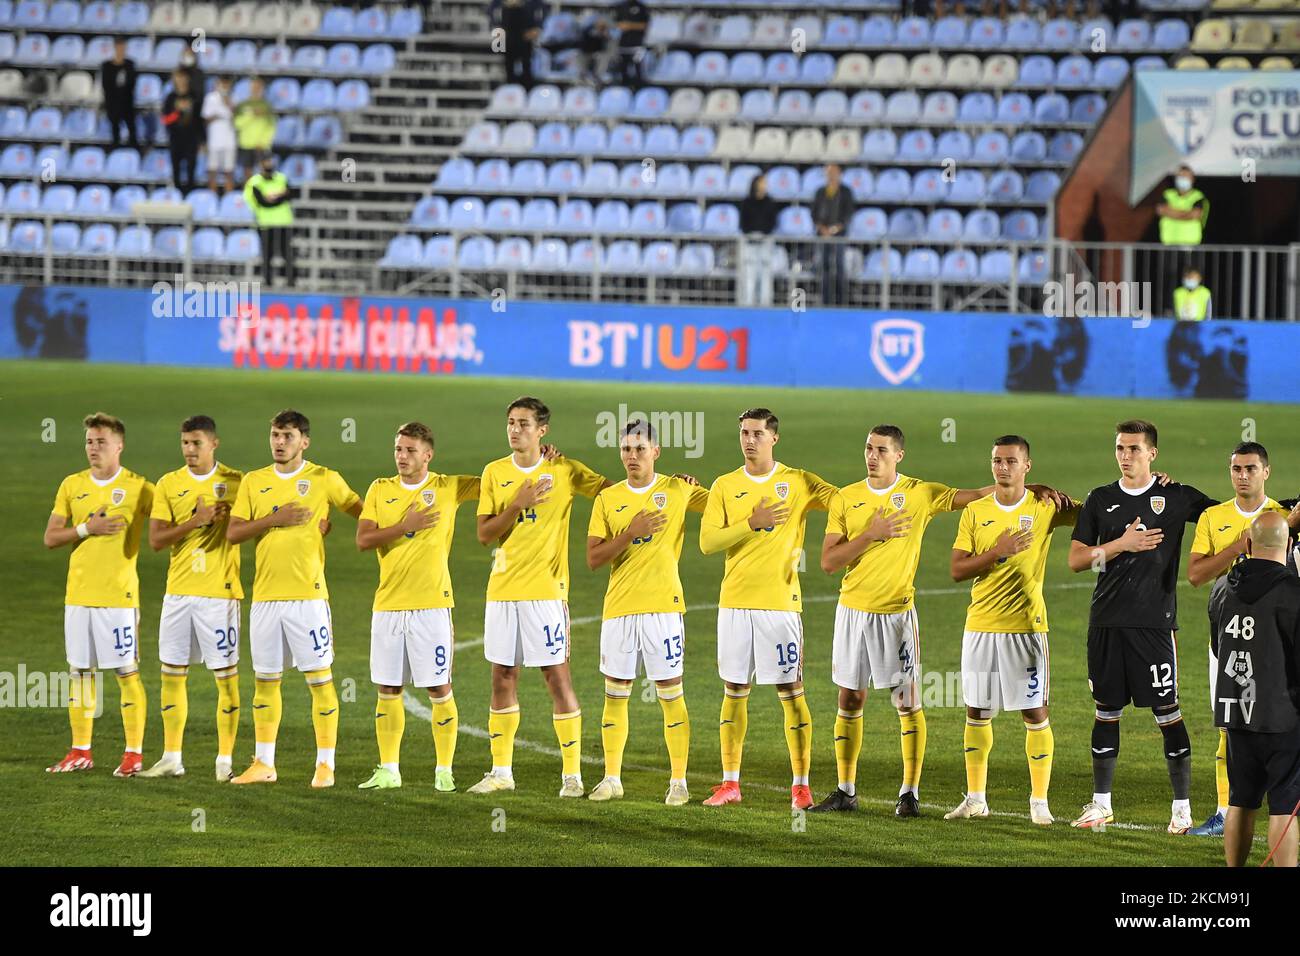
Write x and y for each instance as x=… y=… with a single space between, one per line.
x=88 y=162
x=1051 y=109
x=622 y=256
x=867 y=106
x=1087 y=108
x=991 y=148
x=134 y=242
x=343 y=58
x=1041 y=186
x=882 y=263
x=860 y=182
x=794 y=106
x=1074 y=72
x=977 y=107
x=288 y=132
x=492 y=175
x=921 y=265
x=550 y=255
x=528 y=176
x=538 y=213
x=1064 y=147
x=1006 y=185
x=323 y=133
x=722 y=219
x=664 y=29
x=928 y=69
x=17 y=160
x=954 y=144
x=600 y=178
x=67 y=51
x=903 y=106
x=928 y=186
x=1110 y=72
x=65 y=237
x=943 y=225
x=1133 y=35
x=169 y=242
x=708 y=180
x=207 y=243
x=770 y=143
x=916 y=146
x=795 y=222
x=378 y=58
x=959 y=265
x=695 y=258
x=659 y=258
x=338 y=22
x=126 y=197
x=892 y=185
x=439 y=253
x=853 y=69
x=830 y=106
x=476 y=253
x=841 y=33
x=455 y=174
x=995 y=266
x=274 y=57
x=678 y=66
x=1097 y=35
x=351 y=95
x=626 y=139
x=22 y=198
x=869 y=224
x=271 y=21
x=987 y=33
x=26 y=237
x=709 y=69
x=59 y=199
x=662 y=140
x=1020 y=226
x=783 y=183
x=636 y=178
x=513 y=255
x=771 y=30
x=877 y=31
x=98 y=16
x=241 y=245
x=807 y=145
x=1029 y=146
x=576 y=215
x=939 y=108
x=647 y=217
x=999 y=72
x=889 y=70
x=430 y=212
x=284 y=93
x=612 y=215
x=590 y=139
x=816 y=69
x=906 y=224
x=97 y=239
x=563 y=177
x=465 y=213
x=981 y=225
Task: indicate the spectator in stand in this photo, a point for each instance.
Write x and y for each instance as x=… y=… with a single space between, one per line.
x=832 y=209
x=117 y=77
x=1191 y=299
x=593 y=51
x=519 y=23
x=219 y=114
x=198 y=86
x=758 y=214
x=255 y=128
x=180 y=114
x=633 y=17
x=268 y=193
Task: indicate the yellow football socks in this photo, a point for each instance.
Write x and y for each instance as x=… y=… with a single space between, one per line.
x=1221 y=769
x=677 y=727
x=324 y=714
x=798 y=732
x=267 y=706
x=133 y=710
x=568 y=731
x=446 y=724
x=227 y=712
x=1039 y=747
x=390 y=724
x=912 y=737
x=848 y=745
x=81 y=707
x=731 y=728
x=502 y=725
x=613 y=726
x=979 y=744
x=175 y=707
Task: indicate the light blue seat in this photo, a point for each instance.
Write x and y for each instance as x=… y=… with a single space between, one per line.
x=921 y=265
x=58 y=199
x=649 y=102
x=1087 y=108
x=439 y=252
x=274 y=57
x=879 y=263
x=309 y=58
x=430 y=212
x=659 y=258
x=987 y=33
x=721 y=219
x=709 y=180
x=877 y=32
x=781 y=68
x=954 y=144
x=208 y=243
x=33 y=49
x=709 y=68
x=744 y=67
x=97 y=15
x=830 y=106
x=995 y=266
x=545 y=99
x=662 y=140
x=338 y=22
x=288 y=132
x=1110 y=72
x=405 y=22
x=579 y=101
x=27 y=236
x=600 y=178
x=465 y=213
x=626 y=139
x=795 y=222
x=22 y=197
x=88 y=162
x=841 y=33
x=943 y=225
x=757 y=105
x=148 y=89
x=239 y=55
x=371 y=22
x=1074 y=71
x=1029 y=146
x=1023 y=33
x=284 y=93
x=1170 y=36
x=959 y=265
x=476 y=253
x=513 y=255
x=80 y=124
x=576 y=216
x=794 y=105
x=166 y=194
x=892 y=185
x=1036 y=70
x=140 y=49
x=816 y=69
x=879 y=145
x=906 y=224
x=1020 y=226
x=492 y=175
x=155 y=166
x=539 y=213
x=560 y=27
x=65 y=237
x=1065 y=147
x=783 y=183
x=1006 y=185
x=456 y=173
x=673 y=179
x=134 y=242
x=17 y=159
x=126 y=197
x=67 y=50
x=1150 y=63
x=300 y=168
x=351 y=95
x=169 y=242
x=583 y=256
x=939 y=107
x=647 y=217
x=590 y=139
x=978 y=107
x=1041 y=186
x=550 y=255
x=869 y=224
x=528 y=176
x=564 y=176
x=678 y=66
x=903 y=106
x=44 y=123
x=502 y=215
x=554 y=138
x=203 y=204
x=343 y=58
x=52 y=157
x=916 y=145
x=1097 y=33
x=1059 y=34
x=739 y=179
x=97 y=239
x=1133 y=35
x=378 y=58
x=698 y=141
x=928 y=186
x=1033 y=267
x=1051 y=108
x=323 y=132
x=867 y=106
x=860 y=182
x=1015 y=109
x=991 y=147
x=98 y=49
x=949 y=33
x=695 y=258
x=612 y=215
x=981 y=225
x=912 y=32
x=622 y=256
x=241 y=245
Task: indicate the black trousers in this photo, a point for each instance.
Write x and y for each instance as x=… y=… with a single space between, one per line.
x=119 y=114
x=519 y=62
x=834 y=279
x=185 y=159
x=277 y=241
x=630 y=74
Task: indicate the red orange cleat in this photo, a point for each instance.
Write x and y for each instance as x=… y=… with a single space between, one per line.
x=726 y=792
x=800 y=797
x=77 y=759
x=131 y=765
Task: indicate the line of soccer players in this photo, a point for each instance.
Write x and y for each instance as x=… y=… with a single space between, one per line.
x=1129 y=533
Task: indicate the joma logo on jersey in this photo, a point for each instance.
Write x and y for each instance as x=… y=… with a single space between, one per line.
x=783 y=490
x=427 y=496
x=219 y=489
x=898 y=501
x=1158 y=505
x=119 y=495
x=304 y=485
x=660 y=499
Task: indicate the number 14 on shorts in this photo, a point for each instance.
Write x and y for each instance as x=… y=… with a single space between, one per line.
x=554 y=637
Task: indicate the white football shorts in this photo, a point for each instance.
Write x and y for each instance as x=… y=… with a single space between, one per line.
x=1002 y=671
x=875 y=650
x=101 y=636
x=194 y=629
x=526 y=633
x=411 y=647
x=764 y=645
x=654 y=641
x=303 y=628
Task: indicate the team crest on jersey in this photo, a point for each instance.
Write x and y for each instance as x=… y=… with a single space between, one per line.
x=546 y=477
x=303 y=486
x=1158 y=504
x=660 y=499
x=219 y=489
x=898 y=501
x=783 y=490
x=428 y=496
x=119 y=495
x=1026 y=522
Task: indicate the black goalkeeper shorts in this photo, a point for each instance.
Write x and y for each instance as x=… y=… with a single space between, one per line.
x=1138 y=664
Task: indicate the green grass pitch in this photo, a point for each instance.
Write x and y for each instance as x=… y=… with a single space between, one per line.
x=94 y=819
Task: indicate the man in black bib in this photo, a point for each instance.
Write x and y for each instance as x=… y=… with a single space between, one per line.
x=1257 y=694
x=1130 y=533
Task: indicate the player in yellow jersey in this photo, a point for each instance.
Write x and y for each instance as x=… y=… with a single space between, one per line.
x=1002 y=542
x=523 y=509
x=101 y=512
x=875 y=531
x=637 y=527
x=200 y=613
x=757 y=514
x=286 y=507
x=408 y=520
x=1220 y=539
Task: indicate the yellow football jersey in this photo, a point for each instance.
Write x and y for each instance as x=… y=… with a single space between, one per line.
x=644 y=578
x=203 y=563
x=101 y=569
x=291 y=560
x=413 y=572
x=1221 y=525
x=882 y=579
x=532 y=563
x=762 y=569
x=1008 y=598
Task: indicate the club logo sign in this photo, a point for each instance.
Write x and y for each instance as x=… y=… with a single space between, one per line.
x=897 y=348
x=783 y=490
x=1158 y=504
x=1188 y=118
x=119 y=495
x=303 y=486
x=219 y=489
x=428 y=496
x=660 y=499
x=898 y=500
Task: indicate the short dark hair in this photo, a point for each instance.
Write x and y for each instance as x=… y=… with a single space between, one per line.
x=764 y=415
x=1138 y=426
x=892 y=432
x=105 y=420
x=418 y=431
x=641 y=429
x=288 y=418
x=1012 y=440
x=1253 y=448
x=199 y=423
x=534 y=405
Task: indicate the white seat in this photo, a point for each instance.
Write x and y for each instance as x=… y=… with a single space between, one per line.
x=807 y=145
x=686 y=103
x=1000 y=70
x=770 y=31
x=270 y=19
x=926 y=70
x=77 y=85
x=843 y=145
x=963 y=71
x=889 y=70
x=304 y=19
x=11 y=84
x=238 y=17
x=812 y=30
x=664 y=28
x=734 y=142
x=722 y=104
x=1212 y=35
x=167 y=17
x=771 y=142
x=202 y=16
x=853 y=69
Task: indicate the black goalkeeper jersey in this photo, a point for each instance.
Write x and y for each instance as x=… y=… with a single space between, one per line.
x=1137 y=589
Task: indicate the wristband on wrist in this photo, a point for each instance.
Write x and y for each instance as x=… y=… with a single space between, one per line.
x=83 y=531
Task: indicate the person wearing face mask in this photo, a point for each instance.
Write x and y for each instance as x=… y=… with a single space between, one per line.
x=1191 y=299
x=1183 y=211
x=758 y=213
x=267 y=193
x=189 y=65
